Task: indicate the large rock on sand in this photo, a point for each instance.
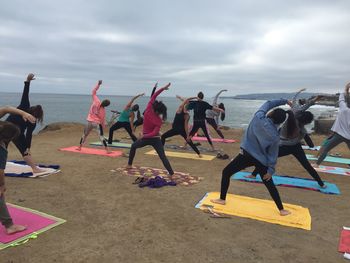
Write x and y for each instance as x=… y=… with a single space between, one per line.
x=61 y=125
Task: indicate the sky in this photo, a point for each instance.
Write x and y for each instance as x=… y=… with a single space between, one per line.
x=197 y=45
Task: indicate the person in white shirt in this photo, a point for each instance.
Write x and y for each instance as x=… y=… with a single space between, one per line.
x=341 y=126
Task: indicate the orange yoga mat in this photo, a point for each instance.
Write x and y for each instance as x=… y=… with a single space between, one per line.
x=92 y=151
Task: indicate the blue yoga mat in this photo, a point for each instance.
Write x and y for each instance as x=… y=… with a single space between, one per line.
x=291 y=182
x=330 y=159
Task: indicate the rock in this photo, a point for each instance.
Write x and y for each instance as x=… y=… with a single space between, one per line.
x=60 y=125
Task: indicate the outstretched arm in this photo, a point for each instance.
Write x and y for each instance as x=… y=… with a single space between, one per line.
x=154 y=88
x=180 y=98
x=184 y=102
x=11 y=110
x=94 y=91
x=270 y=104
x=132 y=100
x=217 y=96
x=294 y=100
x=25 y=104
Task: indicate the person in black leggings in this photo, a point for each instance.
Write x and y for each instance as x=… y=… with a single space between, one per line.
x=293 y=145
x=259 y=148
x=126 y=119
x=180 y=125
x=24 y=141
x=212 y=117
x=199 y=108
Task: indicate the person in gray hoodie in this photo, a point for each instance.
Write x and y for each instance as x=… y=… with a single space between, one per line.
x=259 y=148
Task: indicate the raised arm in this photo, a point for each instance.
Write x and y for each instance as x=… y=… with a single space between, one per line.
x=295 y=98
x=25 y=104
x=217 y=96
x=154 y=88
x=94 y=91
x=11 y=110
x=180 y=98
x=270 y=104
x=156 y=94
x=132 y=100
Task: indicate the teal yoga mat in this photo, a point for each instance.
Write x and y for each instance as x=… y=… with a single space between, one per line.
x=330 y=159
x=289 y=181
x=114 y=144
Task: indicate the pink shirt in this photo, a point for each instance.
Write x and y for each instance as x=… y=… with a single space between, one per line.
x=97 y=114
x=151 y=121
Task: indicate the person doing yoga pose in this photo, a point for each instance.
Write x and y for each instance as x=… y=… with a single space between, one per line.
x=155 y=114
x=259 y=148
x=180 y=124
x=9 y=131
x=293 y=145
x=212 y=116
x=96 y=118
x=340 y=128
x=23 y=141
x=126 y=120
x=199 y=108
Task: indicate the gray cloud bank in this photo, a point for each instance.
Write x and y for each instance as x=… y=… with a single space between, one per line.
x=243 y=46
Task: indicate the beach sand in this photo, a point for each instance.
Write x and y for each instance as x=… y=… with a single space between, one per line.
x=111 y=220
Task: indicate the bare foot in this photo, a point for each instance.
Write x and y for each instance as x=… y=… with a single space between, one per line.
x=323 y=186
x=284 y=212
x=315 y=165
x=79 y=148
x=250 y=176
x=129 y=167
x=200 y=156
x=15 y=229
x=218 y=201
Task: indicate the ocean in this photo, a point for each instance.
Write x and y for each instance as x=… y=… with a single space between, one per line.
x=74 y=108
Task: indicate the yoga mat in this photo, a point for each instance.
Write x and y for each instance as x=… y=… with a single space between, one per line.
x=316 y=148
x=188 y=148
x=92 y=151
x=193 y=156
x=20 y=169
x=344 y=242
x=204 y=139
x=333 y=170
x=330 y=159
x=35 y=221
x=114 y=144
x=180 y=178
x=258 y=209
x=290 y=181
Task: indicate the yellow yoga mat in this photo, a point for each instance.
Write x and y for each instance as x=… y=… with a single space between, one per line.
x=259 y=209
x=193 y=156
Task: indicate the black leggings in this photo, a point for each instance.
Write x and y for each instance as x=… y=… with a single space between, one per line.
x=21 y=144
x=241 y=162
x=299 y=154
x=117 y=126
x=156 y=143
x=213 y=124
x=200 y=124
x=138 y=123
x=174 y=132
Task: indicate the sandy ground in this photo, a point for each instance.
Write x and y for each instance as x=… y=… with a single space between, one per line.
x=111 y=220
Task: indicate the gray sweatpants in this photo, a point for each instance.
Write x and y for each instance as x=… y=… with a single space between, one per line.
x=330 y=144
x=5 y=217
x=88 y=128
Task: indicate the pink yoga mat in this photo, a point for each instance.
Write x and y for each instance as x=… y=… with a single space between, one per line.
x=34 y=222
x=203 y=139
x=344 y=242
x=92 y=151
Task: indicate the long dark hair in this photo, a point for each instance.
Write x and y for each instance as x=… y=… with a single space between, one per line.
x=8 y=131
x=305 y=117
x=37 y=112
x=222 y=115
x=160 y=108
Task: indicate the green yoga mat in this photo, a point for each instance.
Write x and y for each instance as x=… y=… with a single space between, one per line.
x=330 y=159
x=114 y=144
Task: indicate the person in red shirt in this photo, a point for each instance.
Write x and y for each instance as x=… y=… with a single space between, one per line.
x=155 y=114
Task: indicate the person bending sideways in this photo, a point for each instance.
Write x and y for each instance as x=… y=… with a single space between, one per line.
x=341 y=126
x=180 y=124
x=212 y=116
x=23 y=142
x=8 y=132
x=126 y=120
x=199 y=108
x=96 y=118
x=259 y=148
x=155 y=114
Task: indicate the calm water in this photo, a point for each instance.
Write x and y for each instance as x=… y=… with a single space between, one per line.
x=74 y=108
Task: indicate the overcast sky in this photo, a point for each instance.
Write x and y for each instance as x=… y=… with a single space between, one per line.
x=244 y=46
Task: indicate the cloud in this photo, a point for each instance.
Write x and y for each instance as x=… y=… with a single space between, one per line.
x=243 y=46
